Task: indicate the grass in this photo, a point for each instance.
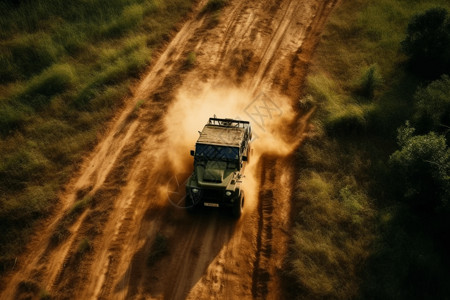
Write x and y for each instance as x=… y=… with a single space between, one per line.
x=84 y=246
x=334 y=221
x=352 y=237
x=64 y=71
x=190 y=60
x=79 y=206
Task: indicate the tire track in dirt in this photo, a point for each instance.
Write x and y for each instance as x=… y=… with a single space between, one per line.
x=36 y=263
x=261 y=276
x=255 y=46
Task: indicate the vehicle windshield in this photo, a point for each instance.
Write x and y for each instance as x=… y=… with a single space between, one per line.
x=213 y=152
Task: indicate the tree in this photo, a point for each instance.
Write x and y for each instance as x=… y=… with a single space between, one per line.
x=427 y=43
x=433 y=106
x=422 y=166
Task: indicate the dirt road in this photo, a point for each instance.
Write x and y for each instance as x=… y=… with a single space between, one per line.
x=118 y=232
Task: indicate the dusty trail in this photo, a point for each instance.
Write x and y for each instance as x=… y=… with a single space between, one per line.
x=251 y=64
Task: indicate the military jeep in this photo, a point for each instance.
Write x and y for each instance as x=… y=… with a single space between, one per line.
x=221 y=154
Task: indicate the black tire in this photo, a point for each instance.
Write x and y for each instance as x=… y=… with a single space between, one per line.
x=190 y=205
x=249 y=152
x=238 y=207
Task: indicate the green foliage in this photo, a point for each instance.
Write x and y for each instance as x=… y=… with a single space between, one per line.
x=80 y=206
x=26 y=55
x=333 y=224
x=427 y=42
x=422 y=166
x=21 y=166
x=369 y=82
x=39 y=90
x=12 y=116
x=131 y=16
x=392 y=251
x=84 y=246
x=31 y=203
x=124 y=67
x=433 y=106
x=190 y=60
x=214 y=5
x=347 y=122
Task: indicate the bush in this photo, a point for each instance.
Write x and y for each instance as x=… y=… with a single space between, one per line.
x=433 y=106
x=422 y=167
x=369 y=82
x=428 y=41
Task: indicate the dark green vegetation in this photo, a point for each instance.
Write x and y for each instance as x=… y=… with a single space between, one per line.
x=214 y=5
x=65 y=67
x=371 y=208
x=428 y=41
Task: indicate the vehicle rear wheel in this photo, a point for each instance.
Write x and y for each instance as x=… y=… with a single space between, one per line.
x=239 y=206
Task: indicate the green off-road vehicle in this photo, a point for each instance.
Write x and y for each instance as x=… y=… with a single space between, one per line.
x=220 y=156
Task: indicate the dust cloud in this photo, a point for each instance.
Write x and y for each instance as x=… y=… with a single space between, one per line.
x=267 y=113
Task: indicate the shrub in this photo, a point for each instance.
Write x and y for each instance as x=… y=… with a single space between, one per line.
x=422 y=166
x=428 y=41
x=369 y=82
x=433 y=105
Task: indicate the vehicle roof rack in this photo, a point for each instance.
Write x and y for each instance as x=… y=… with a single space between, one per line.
x=228 y=122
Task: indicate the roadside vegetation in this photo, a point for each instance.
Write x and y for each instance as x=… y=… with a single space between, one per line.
x=371 y=209
x=65 y=68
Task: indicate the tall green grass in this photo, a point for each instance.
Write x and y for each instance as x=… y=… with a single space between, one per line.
x=353 y=238
x=65 y=67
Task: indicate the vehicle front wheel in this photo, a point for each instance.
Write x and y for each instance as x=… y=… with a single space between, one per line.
x=239 y=206
x=190 y=205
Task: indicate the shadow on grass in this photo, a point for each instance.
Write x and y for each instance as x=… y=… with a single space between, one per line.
x=409 y=259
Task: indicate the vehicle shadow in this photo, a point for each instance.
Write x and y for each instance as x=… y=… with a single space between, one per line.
x=179 y=248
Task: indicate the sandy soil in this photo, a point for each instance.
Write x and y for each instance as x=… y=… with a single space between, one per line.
x=250 y=63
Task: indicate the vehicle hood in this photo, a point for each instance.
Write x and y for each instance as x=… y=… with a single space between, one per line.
x=214 y=174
